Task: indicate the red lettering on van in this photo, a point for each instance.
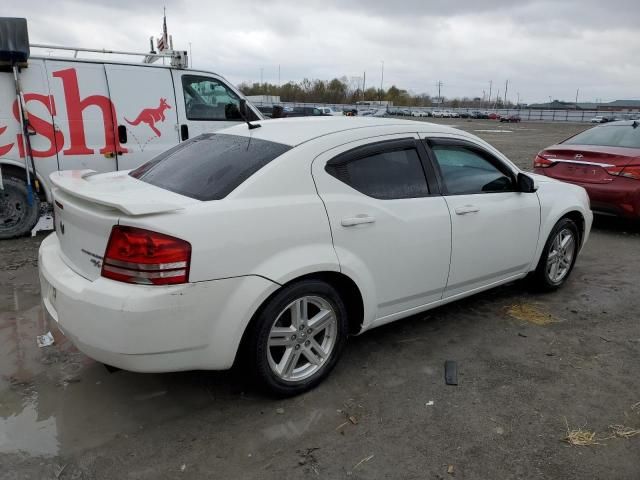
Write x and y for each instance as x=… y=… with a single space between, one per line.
x=4 y=149
x=40 y=126
x=75 y=107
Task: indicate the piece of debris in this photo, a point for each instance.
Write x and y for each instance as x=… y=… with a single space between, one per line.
x=605 y=339
x=450 y=372
x=450 y=470
x=522 y=335
x=635 y=405
x=530 y=313
x=429 y=403
x=579 y=437
x=44 y=340
x=364 y=460
x=60 y=470
x=353 y=419
x=622 y=431
x=279 y=411
x=342 y=425
x=183 y=467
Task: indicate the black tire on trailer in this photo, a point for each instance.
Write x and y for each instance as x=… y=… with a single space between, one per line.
x=17 y=217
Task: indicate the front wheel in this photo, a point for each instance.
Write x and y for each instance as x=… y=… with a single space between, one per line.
x=17 y=217
x=559 y=255
x=298 y=337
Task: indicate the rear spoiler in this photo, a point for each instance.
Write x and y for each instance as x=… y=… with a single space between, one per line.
x=119 y=191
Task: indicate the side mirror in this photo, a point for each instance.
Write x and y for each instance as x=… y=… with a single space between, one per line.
x=526 y=184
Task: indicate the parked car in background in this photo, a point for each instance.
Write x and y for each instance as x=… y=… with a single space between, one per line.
x=493 y=116
x=510 y=119
x=437 y=114
x=465 y=115
x=454 y=114
x=194 y=263
x=329 y=111
x=598 y=119
x=305 y=112
x=479 y=115
x=605 y=160
x=419 y=113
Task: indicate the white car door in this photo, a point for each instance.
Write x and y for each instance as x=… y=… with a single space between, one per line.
x=388 y=229
x=145 y=110
x=495 y=228
x=205 y=103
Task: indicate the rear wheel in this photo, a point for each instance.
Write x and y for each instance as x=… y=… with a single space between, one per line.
x=17 y=217
x=298 y=337
x=559 y=255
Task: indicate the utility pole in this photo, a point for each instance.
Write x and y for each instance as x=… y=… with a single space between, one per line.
x=190 y=57
x=577 y=92
x=490 y=87
x=279 y=84
x=261 y=72
x=495 y=104
x=506 y=88
x=439 y=85
x=381 y=81
x=364 y=82
x=518 y=103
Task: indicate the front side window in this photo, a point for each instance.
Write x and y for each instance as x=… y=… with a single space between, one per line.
x=386 y=175
x=207 y=98
x=210 y=166
x=467 y=171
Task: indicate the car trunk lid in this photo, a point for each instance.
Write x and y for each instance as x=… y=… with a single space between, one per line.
x=587 y=164
x=87 y=206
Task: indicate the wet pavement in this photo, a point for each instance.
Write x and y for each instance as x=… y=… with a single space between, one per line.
x=530 y=365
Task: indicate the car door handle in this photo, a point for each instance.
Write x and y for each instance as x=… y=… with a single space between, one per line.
x=466 y=209
x=357 y=220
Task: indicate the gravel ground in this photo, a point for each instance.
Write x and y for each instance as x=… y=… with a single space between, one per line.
x=530 y=367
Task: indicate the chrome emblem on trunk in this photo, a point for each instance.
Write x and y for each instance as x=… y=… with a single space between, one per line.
x=578 y=155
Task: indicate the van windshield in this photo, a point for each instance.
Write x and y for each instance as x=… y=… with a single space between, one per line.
x=210 y=166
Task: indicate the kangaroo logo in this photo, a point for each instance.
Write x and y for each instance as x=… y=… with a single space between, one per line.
x=151 y=115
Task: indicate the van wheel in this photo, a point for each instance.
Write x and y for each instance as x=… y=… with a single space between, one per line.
x=559 y=256
x=17 y=217
x=298 y=337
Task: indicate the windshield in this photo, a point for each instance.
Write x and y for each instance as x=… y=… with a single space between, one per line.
x=608 y=136
x=210 y=166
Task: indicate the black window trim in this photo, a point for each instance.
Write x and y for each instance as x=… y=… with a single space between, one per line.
x=386 y=146
x=205 y=77
x=457 y=142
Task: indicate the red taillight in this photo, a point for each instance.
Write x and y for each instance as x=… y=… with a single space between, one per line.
x=136 y=255
x=630 y=171
x=541 y=162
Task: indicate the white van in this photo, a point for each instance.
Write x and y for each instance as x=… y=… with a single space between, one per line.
x=100 y=115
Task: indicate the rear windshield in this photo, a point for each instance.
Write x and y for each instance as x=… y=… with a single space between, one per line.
x=210 y=166
x=608 y=136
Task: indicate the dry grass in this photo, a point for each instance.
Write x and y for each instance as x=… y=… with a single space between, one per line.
x=580 y=437
x=622 y=431
x=530 y=313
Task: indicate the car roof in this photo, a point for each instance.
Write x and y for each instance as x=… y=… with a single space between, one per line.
x=295 y=131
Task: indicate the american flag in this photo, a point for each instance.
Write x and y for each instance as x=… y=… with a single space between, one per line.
x=163 y=42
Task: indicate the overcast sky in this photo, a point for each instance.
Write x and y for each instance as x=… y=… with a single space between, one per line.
x=544 y=48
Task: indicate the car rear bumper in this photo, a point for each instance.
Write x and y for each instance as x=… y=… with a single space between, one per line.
x=620 y=197
x=149 y=328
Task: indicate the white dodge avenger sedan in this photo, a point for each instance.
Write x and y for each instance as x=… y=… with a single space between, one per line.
x=274 y=244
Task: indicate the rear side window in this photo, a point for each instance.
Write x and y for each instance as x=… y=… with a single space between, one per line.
x=608 y=136
x=210 y=166
x=385 y=175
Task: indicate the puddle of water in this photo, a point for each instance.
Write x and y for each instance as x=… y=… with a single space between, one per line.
x=54 y=400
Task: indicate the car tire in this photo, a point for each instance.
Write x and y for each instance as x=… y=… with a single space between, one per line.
x=17 y=217
x=285 y=338
x=558 y=258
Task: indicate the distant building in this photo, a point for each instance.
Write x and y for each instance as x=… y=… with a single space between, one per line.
x=615 y=106
x=263 y=98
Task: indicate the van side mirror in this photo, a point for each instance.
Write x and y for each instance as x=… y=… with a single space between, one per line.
x=526 y=184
